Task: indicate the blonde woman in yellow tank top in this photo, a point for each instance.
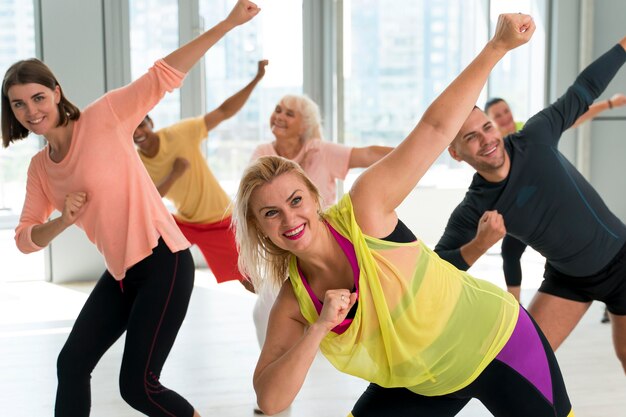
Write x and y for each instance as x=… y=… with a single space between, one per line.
x=377 y=302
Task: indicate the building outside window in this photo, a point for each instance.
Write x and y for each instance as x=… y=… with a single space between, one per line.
x=153 y=35
x=17 y=41
x=397 y=63
x=276 y=35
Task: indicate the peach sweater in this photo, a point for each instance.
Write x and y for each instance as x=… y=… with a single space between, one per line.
x=124 y=215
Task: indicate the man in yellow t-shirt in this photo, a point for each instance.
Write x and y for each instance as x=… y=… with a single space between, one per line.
x=173 y=158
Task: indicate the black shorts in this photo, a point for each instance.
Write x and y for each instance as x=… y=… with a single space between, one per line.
x=608 y=285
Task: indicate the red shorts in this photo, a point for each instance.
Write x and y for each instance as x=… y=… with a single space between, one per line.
x=217 y=243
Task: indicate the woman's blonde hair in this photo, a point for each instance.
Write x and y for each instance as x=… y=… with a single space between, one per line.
x=259 y=258
x=310 y=113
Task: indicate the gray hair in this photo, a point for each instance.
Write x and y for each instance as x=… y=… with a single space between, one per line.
x=310 y=113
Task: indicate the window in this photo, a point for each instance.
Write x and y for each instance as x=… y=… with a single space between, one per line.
x=17 y=37
x=519 y=78
x=276 y=35
x=153 y=35
x=17 y=40
x=396 y=64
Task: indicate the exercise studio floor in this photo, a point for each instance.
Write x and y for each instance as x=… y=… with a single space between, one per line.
x=215 y=353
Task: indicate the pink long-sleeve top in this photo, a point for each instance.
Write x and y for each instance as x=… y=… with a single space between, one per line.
x=124 y=215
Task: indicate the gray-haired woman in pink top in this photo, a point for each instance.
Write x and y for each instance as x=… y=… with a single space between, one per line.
x=90 y=172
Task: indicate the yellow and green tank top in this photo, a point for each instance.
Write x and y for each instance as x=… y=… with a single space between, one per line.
x=420 y=323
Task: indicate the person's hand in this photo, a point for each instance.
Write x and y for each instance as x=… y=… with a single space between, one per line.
x=73 y=207
x=260 y=72
x=618 y=100
x=490 y=228
x=513 y=30
x=180 y=166
x=243 y=11
x=337 y=304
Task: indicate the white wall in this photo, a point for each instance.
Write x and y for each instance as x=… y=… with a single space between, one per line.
x=426 y=210
x=602 y=158
x=74 y=49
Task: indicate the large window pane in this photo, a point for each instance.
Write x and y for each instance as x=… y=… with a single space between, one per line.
x=396 y=63
x=17 y=41
x=153 y=35
x=275 y=34
x=520 y=77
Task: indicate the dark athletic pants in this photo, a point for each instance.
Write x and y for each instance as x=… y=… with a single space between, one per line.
x=150 y=306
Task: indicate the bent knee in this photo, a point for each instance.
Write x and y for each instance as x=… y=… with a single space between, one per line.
x=137 y=389
x=134 y=392
x=72 y=365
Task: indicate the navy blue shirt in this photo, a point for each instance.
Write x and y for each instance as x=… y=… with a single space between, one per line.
x=546 y=203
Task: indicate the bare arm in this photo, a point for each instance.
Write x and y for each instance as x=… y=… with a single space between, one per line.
x=234 y=103
x=187 y=55
x=43 y=234
x=368 y=155
x=618 y=100
x=289 y=349
x=489 y=231
x=397 y=174
x=180 y=166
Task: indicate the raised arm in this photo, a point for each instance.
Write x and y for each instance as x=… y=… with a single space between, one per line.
x=187 y=55
x=234 y=103
x=618 y=100
x=368 y=155
x=381 y=188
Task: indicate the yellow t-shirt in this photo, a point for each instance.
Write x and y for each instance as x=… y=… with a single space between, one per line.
x=197 y=194
x=420 y=323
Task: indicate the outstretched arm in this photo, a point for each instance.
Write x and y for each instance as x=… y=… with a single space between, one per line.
x=618 y=100
x=396 y=175
x=187 y=55
x=366 y=156
x=131 y=103
x=234 y=103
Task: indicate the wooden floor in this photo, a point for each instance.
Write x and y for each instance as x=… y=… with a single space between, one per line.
x=214 y=357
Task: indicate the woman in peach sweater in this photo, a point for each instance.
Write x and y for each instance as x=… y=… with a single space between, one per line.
x=90 y=172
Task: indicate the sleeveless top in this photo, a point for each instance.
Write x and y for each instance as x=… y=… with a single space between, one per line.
x=420 y=323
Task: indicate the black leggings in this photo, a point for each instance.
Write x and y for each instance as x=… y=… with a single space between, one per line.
x=512 y=251
x=504 y=390
x=150 y=305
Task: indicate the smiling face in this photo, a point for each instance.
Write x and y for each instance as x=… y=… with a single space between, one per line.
x=500 y=113
x=35 y=106
x=286 y=121
x=479 y=143
x=286 y=211
x=144 y=137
